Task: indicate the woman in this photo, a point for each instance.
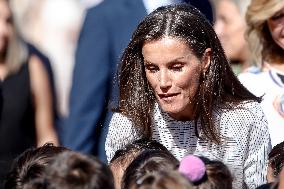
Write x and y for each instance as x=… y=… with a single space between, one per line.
x=177 y=87
x=230 y=26
x=265 y=20
x=26 y=117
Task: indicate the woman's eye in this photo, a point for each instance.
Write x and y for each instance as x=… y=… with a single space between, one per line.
x=151 y=68
x=177 y=67
x=277 y=16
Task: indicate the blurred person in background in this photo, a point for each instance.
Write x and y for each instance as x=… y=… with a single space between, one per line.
x=230 y=26
x=106 y=31
x=26 y=118
x=59 y=23
x=265 y=20
x=53 y=26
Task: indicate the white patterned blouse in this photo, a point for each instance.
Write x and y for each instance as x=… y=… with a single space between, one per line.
x=244 y=149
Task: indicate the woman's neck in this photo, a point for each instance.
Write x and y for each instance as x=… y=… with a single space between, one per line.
x=181 y=117
x=185 y=115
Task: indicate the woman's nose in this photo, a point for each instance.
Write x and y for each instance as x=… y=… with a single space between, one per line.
x=165 y=79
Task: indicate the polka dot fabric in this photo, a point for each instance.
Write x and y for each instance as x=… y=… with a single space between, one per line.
x=244 y=148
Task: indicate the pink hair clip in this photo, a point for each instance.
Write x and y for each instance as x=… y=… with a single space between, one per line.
x=192 y=167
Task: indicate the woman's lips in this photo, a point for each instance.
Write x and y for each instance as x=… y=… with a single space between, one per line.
x=167 y=96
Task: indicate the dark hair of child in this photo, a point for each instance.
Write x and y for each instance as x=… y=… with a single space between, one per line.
x=215 y=174
x=78 y=171
x=30 y=165
x=135 y=147
x=123 y=157
x=149 y=161
x=163 y=180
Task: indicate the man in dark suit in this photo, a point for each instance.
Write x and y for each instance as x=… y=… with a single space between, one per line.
x=106 y=32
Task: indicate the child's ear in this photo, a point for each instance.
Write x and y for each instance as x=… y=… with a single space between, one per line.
x=206 y=60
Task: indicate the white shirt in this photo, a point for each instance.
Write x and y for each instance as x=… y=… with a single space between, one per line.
x=244 y=150
x=270 y=85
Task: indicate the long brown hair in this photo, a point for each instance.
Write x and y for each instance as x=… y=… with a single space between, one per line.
x=219 y=86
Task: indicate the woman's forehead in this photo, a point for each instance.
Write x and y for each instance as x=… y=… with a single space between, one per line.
x=166 y=45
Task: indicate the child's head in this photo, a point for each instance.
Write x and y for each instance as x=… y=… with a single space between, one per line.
x=39 y=183
x=218 y=176
x=206 y=174
x=275 y=162
x=78 y=171
x=162 y=180
x=30 y=165
x=149 y=161
x=123 y=157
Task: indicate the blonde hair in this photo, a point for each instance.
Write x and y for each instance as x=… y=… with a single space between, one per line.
x=17 y=52
x=258 y=34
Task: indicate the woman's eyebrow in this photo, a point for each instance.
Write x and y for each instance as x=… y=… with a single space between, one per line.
x=169 y=62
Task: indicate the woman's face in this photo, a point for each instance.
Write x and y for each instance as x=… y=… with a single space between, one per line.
x=276 y=27
x=173 y=72
x=5 y=26
x=230 y=27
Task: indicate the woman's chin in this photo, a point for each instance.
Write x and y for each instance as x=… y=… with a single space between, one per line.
x=176 y=112
x=169 y=108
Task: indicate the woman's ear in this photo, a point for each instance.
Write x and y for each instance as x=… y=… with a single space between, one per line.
x=206 y=60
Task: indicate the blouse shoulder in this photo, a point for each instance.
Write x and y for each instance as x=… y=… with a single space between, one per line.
x=253 y=111
x=248 y=111
x=245 y=118
x=121 y=132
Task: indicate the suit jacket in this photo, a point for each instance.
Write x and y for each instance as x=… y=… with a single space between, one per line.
x=106 y=32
